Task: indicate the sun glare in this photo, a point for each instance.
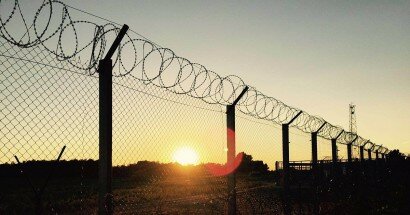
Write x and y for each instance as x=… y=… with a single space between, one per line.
x=186 y=156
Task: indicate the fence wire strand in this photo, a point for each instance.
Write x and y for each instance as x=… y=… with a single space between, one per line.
x=169 y=122
x=144 y=61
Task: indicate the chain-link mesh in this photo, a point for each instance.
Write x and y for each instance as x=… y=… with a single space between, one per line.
x=46 y=104
x=299 y=145
x=148 y=138
x=169 y=133
x=341 y=151
x=324 y=149
x=261 y=142
x=355 y=152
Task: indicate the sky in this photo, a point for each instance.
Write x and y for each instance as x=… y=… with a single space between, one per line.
x=318 y=56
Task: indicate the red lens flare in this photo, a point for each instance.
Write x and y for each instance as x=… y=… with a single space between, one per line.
x=223 y=170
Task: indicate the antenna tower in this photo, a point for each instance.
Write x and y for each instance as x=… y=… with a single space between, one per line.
x=352 y=118
x=352 y=125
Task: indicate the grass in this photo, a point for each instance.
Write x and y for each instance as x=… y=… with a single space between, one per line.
x=188 y=193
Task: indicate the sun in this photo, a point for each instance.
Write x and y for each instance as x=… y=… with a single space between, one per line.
x=186 y=156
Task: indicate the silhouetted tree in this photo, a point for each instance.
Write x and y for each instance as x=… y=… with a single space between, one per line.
x=248 y=165
x=396 y=155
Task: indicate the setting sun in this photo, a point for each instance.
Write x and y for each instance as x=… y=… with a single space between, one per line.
x=186 y=156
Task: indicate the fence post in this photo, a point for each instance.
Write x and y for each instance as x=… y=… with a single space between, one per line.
x=314 y=147
x=369 y=154
x=377 y=154
x=230 y=122
x=361 y=153
x=105 y=129
x=334 y=151
x=314 y=150
x=349 y=153
x=105 y=145
x=349 y=150
x=231 y=153
x=314 y=169
x=285 y=154
x=335 y=162
x=334 y=148
x=362 y=150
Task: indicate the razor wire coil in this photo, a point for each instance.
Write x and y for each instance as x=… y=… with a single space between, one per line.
x=151 y=64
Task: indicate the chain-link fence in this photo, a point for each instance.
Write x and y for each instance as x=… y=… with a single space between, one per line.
x=46 y=104
x=169 y=143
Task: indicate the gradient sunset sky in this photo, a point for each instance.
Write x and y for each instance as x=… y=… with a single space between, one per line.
x=315 y=55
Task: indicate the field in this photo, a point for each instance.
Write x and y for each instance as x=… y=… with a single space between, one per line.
x=372 y=187
x=184 y=190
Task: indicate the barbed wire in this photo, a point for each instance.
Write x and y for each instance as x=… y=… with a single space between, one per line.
x=82 y=43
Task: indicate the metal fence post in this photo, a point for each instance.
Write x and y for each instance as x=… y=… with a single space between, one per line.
x=361 y=153
x=349 y=150
x=285 y=154
x=315 y=170
x=230 y=122
x=105 y=199
x=335 y=159
x=314 y=173
x=334 y=148
x=369 y=154
x=314 y=150
x=314 y=145
x=334 y=151
x=231 y=153
x=349 y=153
x=105 y=134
